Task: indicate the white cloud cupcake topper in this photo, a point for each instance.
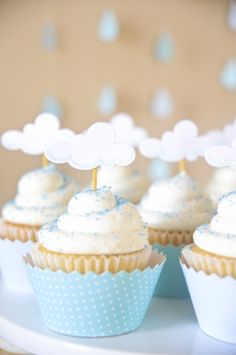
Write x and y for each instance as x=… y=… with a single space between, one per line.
x=221 y=156
x=224 y=136
x=98 y=146
x=183 y=143
x=126 y=131
x=35 y=137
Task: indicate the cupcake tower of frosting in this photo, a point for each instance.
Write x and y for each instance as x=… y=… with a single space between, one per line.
x=176 y=203
x=96 y=222
x=219 y=236
x=42 y=195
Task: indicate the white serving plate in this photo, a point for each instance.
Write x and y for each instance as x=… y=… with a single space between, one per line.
x=170 y=327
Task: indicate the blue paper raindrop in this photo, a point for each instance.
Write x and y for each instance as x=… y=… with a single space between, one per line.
x=159 y=170
x=228 y=75
x=107 y=100
x=49 y=37
x=164 y=48
x=108 y=29
x=52 y=105
x=161 y=106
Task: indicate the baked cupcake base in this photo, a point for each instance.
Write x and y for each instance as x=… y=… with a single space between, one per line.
x=92 y=305
x=164 y=237
x=209 y=263
x=44 y=258
x=19 y=232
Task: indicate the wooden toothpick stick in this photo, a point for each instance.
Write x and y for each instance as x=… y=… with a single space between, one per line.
x=182 y=165
x=45 y=162
x=94 y=178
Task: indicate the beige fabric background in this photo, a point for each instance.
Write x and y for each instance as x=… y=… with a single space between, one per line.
x=81 y=65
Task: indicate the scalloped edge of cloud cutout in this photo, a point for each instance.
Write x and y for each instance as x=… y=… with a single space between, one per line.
x=183 y=143
x=97 y=146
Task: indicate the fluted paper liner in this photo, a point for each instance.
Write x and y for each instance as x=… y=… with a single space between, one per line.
x=213 y=299
x=210 y=264
x=19 y=232
x=173 y=237
x=92 y=305
x=94 y=263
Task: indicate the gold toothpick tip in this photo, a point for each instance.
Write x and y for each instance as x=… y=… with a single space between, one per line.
x=182 y=165
x=94 y=179
x=45 y=161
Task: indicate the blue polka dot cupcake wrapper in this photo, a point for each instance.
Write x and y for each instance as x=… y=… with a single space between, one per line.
x=93 y=305
x=171 y=283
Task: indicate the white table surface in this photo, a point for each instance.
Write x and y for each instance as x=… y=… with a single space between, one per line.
x=170 y=327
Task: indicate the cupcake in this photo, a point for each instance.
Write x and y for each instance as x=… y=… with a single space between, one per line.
x=173 y=208
x=42 y=195
x=209 y=265
x=222 y=182
x=125 y=181
x=98 y=258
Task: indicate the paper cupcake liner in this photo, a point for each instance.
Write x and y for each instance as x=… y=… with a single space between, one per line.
x=17 y=232
x=91 y=305
x=213 y=299
x=210 y=264
x=12 y=268
x=94 y=263
x=171 y=283
x=165 y=237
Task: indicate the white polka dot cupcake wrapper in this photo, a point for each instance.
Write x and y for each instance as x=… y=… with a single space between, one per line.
x=171 y=283
x=93 y=305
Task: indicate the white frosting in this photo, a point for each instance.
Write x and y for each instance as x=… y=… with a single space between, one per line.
x=222 y=182
x=125 y=182
x=96 y=222
x=42 y=195
x=219 y=236
x=175 y=204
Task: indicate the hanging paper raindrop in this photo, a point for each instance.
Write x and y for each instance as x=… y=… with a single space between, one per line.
x=49 y=37
x=161 y=106
x=164 y=48
x=228 y=75
x=108 y=29
x=159 y=170
x=52 y=105
x=107 y=100
x=231 y=18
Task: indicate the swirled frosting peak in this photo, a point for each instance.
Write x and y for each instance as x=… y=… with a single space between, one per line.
x=42 y=195
x=219 y=236
x=175 y=204
x=86 y=201
x=96 y=222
